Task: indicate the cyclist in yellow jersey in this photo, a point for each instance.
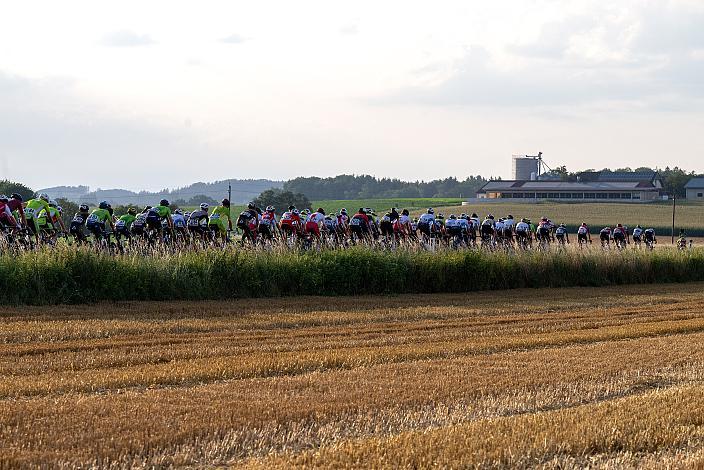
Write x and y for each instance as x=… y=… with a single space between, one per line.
x=32 y=210
x=218 y=217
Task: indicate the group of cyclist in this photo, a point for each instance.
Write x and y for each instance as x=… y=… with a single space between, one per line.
x=42 y=218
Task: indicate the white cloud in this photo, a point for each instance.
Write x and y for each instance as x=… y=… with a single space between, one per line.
x=234 y=38
x=126 y=38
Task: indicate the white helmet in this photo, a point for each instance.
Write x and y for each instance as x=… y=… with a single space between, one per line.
x=59 y=209
x=52 y=203
x=204 y=206
x=44 y=197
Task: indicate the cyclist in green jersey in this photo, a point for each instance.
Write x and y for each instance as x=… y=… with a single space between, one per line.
x=124 y=223
x=31 y=213
x=98 y=220
x=159 y=213
x=218 y=217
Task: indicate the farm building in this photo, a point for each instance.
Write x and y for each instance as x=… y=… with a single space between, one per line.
x=597 y=186
x=695 y=189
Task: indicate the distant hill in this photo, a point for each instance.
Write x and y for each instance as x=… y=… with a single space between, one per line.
x=242 y=192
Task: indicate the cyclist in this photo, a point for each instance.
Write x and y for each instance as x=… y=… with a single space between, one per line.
x=359 y=224
x=426 y=222
x=198 y=221
x=78 y=224
x=139 y=226
x=220 y=221
x=267 y=226
x=386 y=224
x=583 y=234
x=605 y=236
x=402 y=225
x=6 y=217
x=314 y=221
x=159 y=214
x=649 y=236
x=682 y=240
x=31 y=212
x=487 y=229
x=544 y=230
x=637 y=235
x=180 y=224
x=248 y=222
x=15 y=205
x=124 y=223
x=291 y=223
x=454 y=230
x=98 y=220
x=561 y=234
x=523 y=233
x=48 y=220
x=620 y=236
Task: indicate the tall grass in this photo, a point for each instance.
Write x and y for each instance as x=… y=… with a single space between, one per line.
x=75 y=276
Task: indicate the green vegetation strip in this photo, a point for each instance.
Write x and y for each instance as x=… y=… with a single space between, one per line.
x=70 y=276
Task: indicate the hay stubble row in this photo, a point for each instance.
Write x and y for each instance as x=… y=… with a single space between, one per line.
x=569 y=376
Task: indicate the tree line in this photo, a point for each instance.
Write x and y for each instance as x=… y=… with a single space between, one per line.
x=370 y=187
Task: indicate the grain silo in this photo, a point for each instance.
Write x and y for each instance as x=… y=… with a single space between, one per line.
x=524 y=166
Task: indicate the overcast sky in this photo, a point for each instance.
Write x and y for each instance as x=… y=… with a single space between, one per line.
x=154 y=94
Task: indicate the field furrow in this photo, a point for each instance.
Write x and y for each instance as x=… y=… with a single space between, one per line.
x=614 y=377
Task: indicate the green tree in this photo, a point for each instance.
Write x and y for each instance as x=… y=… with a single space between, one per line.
x=281 y=199
x=68 y=210
x=8 y=187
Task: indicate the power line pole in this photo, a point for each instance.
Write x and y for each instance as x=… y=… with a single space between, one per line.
x=674 y=205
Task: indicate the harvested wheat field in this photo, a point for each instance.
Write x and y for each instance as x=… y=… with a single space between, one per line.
x=552 y=377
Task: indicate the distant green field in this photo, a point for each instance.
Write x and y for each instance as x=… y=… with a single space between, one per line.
x=689 y=215
x=383 y=205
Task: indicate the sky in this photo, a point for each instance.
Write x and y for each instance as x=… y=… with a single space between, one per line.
x=156 y=94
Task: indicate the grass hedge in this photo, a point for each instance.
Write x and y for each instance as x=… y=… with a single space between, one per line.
x=74 y=276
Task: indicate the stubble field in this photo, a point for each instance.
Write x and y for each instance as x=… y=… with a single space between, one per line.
x=571 y=377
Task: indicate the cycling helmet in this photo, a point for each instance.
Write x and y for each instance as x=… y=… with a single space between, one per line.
x=405 y=212
x=490 y=217
x=226 y=202
x=509 y=216
x=343 y=211
x=295 y=211
x=430 y=210
x=52 y=203
x=462 y=216
x=178 y=211
x=440 y=216
x=562 y=225
x=3 y=198
x=619 y=225
x=543 y=219
x=204 y=206
x=453 y=216
x=103 y=205
x=524 y=220
x=146 y=208
x=474 y=214
x=59 y=209
x=83 y=208
x=584 y=224
x=44 y=197
x=250 y=205
x=321 y=210
x=16 y=196
x=270 y=208
x=638 y=226
x=132 y=211
x=164 y=203
x=291 y=208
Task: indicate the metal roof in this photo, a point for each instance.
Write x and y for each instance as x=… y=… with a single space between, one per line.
x=695 y=183
x=512 y=185
x=623 y=176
